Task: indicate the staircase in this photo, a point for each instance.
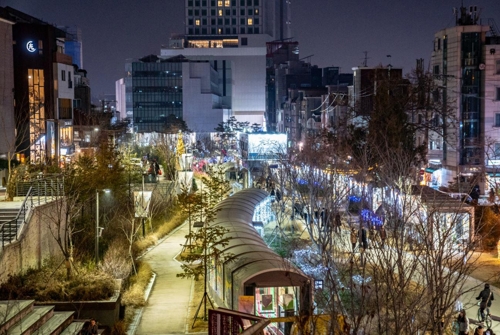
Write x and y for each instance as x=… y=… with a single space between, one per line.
x=22 y=317
x=8 y=223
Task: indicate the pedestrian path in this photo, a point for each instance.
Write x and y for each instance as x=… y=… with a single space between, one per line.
x=166 y=311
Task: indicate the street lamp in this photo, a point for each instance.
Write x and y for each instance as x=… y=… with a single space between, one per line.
x=97 y=228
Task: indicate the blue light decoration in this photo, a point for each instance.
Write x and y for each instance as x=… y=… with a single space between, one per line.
x=370 y=217
x=353 y=198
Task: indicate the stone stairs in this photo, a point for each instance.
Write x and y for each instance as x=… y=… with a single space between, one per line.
x=22 y=317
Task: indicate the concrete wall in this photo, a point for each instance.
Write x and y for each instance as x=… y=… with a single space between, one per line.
x=7 y=124
x=34 y=245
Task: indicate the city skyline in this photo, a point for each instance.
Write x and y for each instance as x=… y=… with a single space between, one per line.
x=329 y=33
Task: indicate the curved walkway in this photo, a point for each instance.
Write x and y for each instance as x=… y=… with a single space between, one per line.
x=166 y=310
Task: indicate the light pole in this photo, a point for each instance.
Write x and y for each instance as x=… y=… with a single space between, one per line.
x=97 y=228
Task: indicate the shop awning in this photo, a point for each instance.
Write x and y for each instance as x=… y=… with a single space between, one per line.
x=430 y=170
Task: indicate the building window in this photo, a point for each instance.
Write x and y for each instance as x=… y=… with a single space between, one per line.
x=256 y=2
x=436 y=70
x=190 y=3
x=219 y=3
x=197 y=22
x=250 y=11
x=227 y=3
x=220 y=12
x=242 y=30
x=219 y=31
x=242 y=12
x=496 y=153
x=256 y=21
x=256 y=11
x=250 y=22
x=497 y=119
x=63 y=76
x=228 y=12
x=212 y=12
x=439 y=44
x=498 y=94
x=498 y=66
x=196 y=12
x=244 y=41
x=242 y=21
x=190 y=12
x=249 y=2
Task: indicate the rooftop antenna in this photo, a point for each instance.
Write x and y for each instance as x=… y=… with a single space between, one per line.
x=365 y=61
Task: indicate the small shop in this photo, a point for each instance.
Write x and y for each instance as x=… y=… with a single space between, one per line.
x=432 y=177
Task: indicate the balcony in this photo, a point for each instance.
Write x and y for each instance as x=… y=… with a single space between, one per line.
x=63 y=59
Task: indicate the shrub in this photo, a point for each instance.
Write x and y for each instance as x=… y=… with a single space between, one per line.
x=116 y=261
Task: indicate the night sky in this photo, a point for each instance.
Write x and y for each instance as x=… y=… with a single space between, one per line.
x=335 y=32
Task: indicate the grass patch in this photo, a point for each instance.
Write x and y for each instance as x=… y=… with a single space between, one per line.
x=134 y=295
x=200 y=325
x=50 y=284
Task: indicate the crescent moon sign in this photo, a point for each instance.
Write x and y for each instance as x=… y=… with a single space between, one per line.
x=30 y=47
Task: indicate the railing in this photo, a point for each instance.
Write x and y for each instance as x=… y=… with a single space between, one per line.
x=44 y=187
x=9 y=230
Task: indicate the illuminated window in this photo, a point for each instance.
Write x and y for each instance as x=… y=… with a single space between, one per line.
x=220 y=12
x=250 y=21
x=219 y=31
x=256 y=11
x=227 y=3
x=219 y=3
x=197 y=22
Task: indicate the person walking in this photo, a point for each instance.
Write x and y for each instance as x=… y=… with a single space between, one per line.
x=364 y=239
x=463 y=323
x=354 y=239
x=383 y=236
x=338 y=223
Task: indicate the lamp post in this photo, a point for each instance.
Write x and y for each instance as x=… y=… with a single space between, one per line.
x=97 y=228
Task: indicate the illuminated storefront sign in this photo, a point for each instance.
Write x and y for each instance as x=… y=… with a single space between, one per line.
x=30 y=46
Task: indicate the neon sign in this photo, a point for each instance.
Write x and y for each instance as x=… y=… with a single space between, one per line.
x=30 y=46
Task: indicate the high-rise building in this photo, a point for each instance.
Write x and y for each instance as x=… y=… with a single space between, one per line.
x=211 y=23
x=233 y=35
x=466 y=67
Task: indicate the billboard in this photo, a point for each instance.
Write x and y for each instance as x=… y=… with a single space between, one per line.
x=265 y=146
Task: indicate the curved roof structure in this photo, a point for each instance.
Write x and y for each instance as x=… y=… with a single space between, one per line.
x=251 y=261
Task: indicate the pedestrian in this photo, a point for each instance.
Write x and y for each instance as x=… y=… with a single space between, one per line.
x=479 y=330
x=491 y=196
x=489 y=331
x=383 y=236
x=354 y=239
x=463 y=323
x=90 y=328
x=364 y=239
x=338 y=223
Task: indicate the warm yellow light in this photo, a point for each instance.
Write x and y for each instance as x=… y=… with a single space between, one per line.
x=197 y=22
x=250 y=21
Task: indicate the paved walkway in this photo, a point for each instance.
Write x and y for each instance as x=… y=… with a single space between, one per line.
x=166 y=311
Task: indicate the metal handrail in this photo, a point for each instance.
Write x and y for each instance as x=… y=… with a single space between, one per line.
x=7 y=228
